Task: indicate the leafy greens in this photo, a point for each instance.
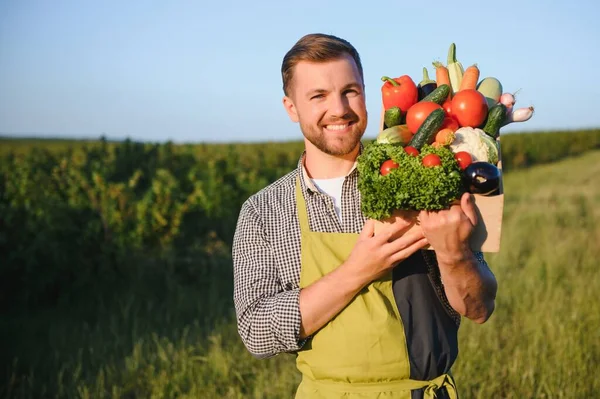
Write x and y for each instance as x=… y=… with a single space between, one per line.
x=411 y=186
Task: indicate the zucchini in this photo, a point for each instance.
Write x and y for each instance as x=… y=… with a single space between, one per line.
x=439 y=95
x=392 y=117
x=494 y=121
x=428 y=128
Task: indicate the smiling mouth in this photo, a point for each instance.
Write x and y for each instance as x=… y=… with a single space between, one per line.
x=338 y=127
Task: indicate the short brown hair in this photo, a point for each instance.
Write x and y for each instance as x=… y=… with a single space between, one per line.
x=316 y=47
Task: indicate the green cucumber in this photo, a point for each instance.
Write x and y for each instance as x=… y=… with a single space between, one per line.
x=439 y=95
x=392 y=117
x=495 y=118
x=428 y=128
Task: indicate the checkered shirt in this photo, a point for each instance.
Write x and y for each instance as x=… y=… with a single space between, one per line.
x=266 y=257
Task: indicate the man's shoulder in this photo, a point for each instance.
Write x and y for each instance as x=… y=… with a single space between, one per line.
x=277 y=192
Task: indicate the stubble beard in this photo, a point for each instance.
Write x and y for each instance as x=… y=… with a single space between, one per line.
x=335 y=146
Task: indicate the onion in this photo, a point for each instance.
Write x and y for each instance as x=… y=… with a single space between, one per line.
x=507 y=99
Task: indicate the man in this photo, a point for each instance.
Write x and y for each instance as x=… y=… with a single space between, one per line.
x=367 y=315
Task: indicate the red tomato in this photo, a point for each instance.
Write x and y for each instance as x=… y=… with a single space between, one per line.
x=469 y=107
x=387 y=167
x=410 y=150
x=447 y=105
x=418 y=113
x=431 y=160
x=450 y=123
x=464 y=159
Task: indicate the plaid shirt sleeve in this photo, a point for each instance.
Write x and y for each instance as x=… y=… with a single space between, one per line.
x=268 y=317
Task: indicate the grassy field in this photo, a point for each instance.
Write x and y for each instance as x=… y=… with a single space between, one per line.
x=170 y=335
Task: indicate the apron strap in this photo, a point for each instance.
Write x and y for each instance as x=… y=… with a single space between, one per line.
x=301 y=207
x=431 y=387
x=443 y=381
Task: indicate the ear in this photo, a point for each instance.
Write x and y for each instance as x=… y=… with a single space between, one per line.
x=290 y=108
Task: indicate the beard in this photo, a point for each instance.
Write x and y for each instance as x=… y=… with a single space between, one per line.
x=333 y=144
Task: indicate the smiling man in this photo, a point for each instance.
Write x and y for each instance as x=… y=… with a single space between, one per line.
x=366 y=315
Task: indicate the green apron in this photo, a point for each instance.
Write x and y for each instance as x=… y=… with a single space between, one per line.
x=362 y=352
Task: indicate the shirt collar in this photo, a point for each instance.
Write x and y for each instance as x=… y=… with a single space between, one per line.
x=307 y=183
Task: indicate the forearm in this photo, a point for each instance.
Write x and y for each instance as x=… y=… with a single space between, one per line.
x=268 y=316
x=271 y=324
x=469 y=284
x=326 y=297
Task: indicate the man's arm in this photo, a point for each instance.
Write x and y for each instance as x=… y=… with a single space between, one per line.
x=469 y=283
x=271 y=321
x=268 y=317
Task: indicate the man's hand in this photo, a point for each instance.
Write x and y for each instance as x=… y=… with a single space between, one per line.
x=372 y=256
x=375 y=254
x=470 y=285
x=448 y=231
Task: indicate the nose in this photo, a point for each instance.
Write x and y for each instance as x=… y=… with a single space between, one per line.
x=338 y=106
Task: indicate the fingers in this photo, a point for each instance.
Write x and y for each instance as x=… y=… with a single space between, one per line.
x=368 y=229
x=467 y=204
x=394 y=230
x=408 y=239
x=409 y=250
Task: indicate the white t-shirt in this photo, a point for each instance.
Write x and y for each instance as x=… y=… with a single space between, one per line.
x=333 y=188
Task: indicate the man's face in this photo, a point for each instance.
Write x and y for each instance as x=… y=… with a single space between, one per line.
x=328 y=101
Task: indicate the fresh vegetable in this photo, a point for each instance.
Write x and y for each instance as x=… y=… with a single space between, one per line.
x=431 y=160
x=445 y=137
x=482 y=178
x=455 y=69
x=426 y=85
x=464 y=159
x=398 y=134
x=439 y=95
x=442 y=76
x=491 y=88
x=429 y=127
x=450 y=123
x=518 y=115
x=411 y=186
x=393 y=116
x=470 y=78
x=447 y=105
x=477 y=143
x=469 y=108
x=508 y=100
x=494 y=120
x=387 y=167
x=417 y=114
x=399 y=92
x=412 y=151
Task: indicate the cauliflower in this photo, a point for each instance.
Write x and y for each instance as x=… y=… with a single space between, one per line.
x=477 y=143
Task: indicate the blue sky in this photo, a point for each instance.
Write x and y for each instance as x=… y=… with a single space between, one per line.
x=210 y=71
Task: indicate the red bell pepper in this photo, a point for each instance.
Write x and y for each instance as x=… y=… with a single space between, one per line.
x=399 y=92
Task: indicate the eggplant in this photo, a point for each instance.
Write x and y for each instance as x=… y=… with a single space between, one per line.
x=482 y=178
x=425 y=86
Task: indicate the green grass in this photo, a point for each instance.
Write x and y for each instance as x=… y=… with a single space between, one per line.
x=542 y=341
x=170 y=336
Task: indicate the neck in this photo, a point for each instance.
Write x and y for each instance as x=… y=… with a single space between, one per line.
x=324 y=166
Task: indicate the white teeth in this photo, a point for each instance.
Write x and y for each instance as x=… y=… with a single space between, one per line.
x=336 y=127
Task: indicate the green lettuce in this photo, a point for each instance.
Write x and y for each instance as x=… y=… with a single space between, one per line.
x=411 y=186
